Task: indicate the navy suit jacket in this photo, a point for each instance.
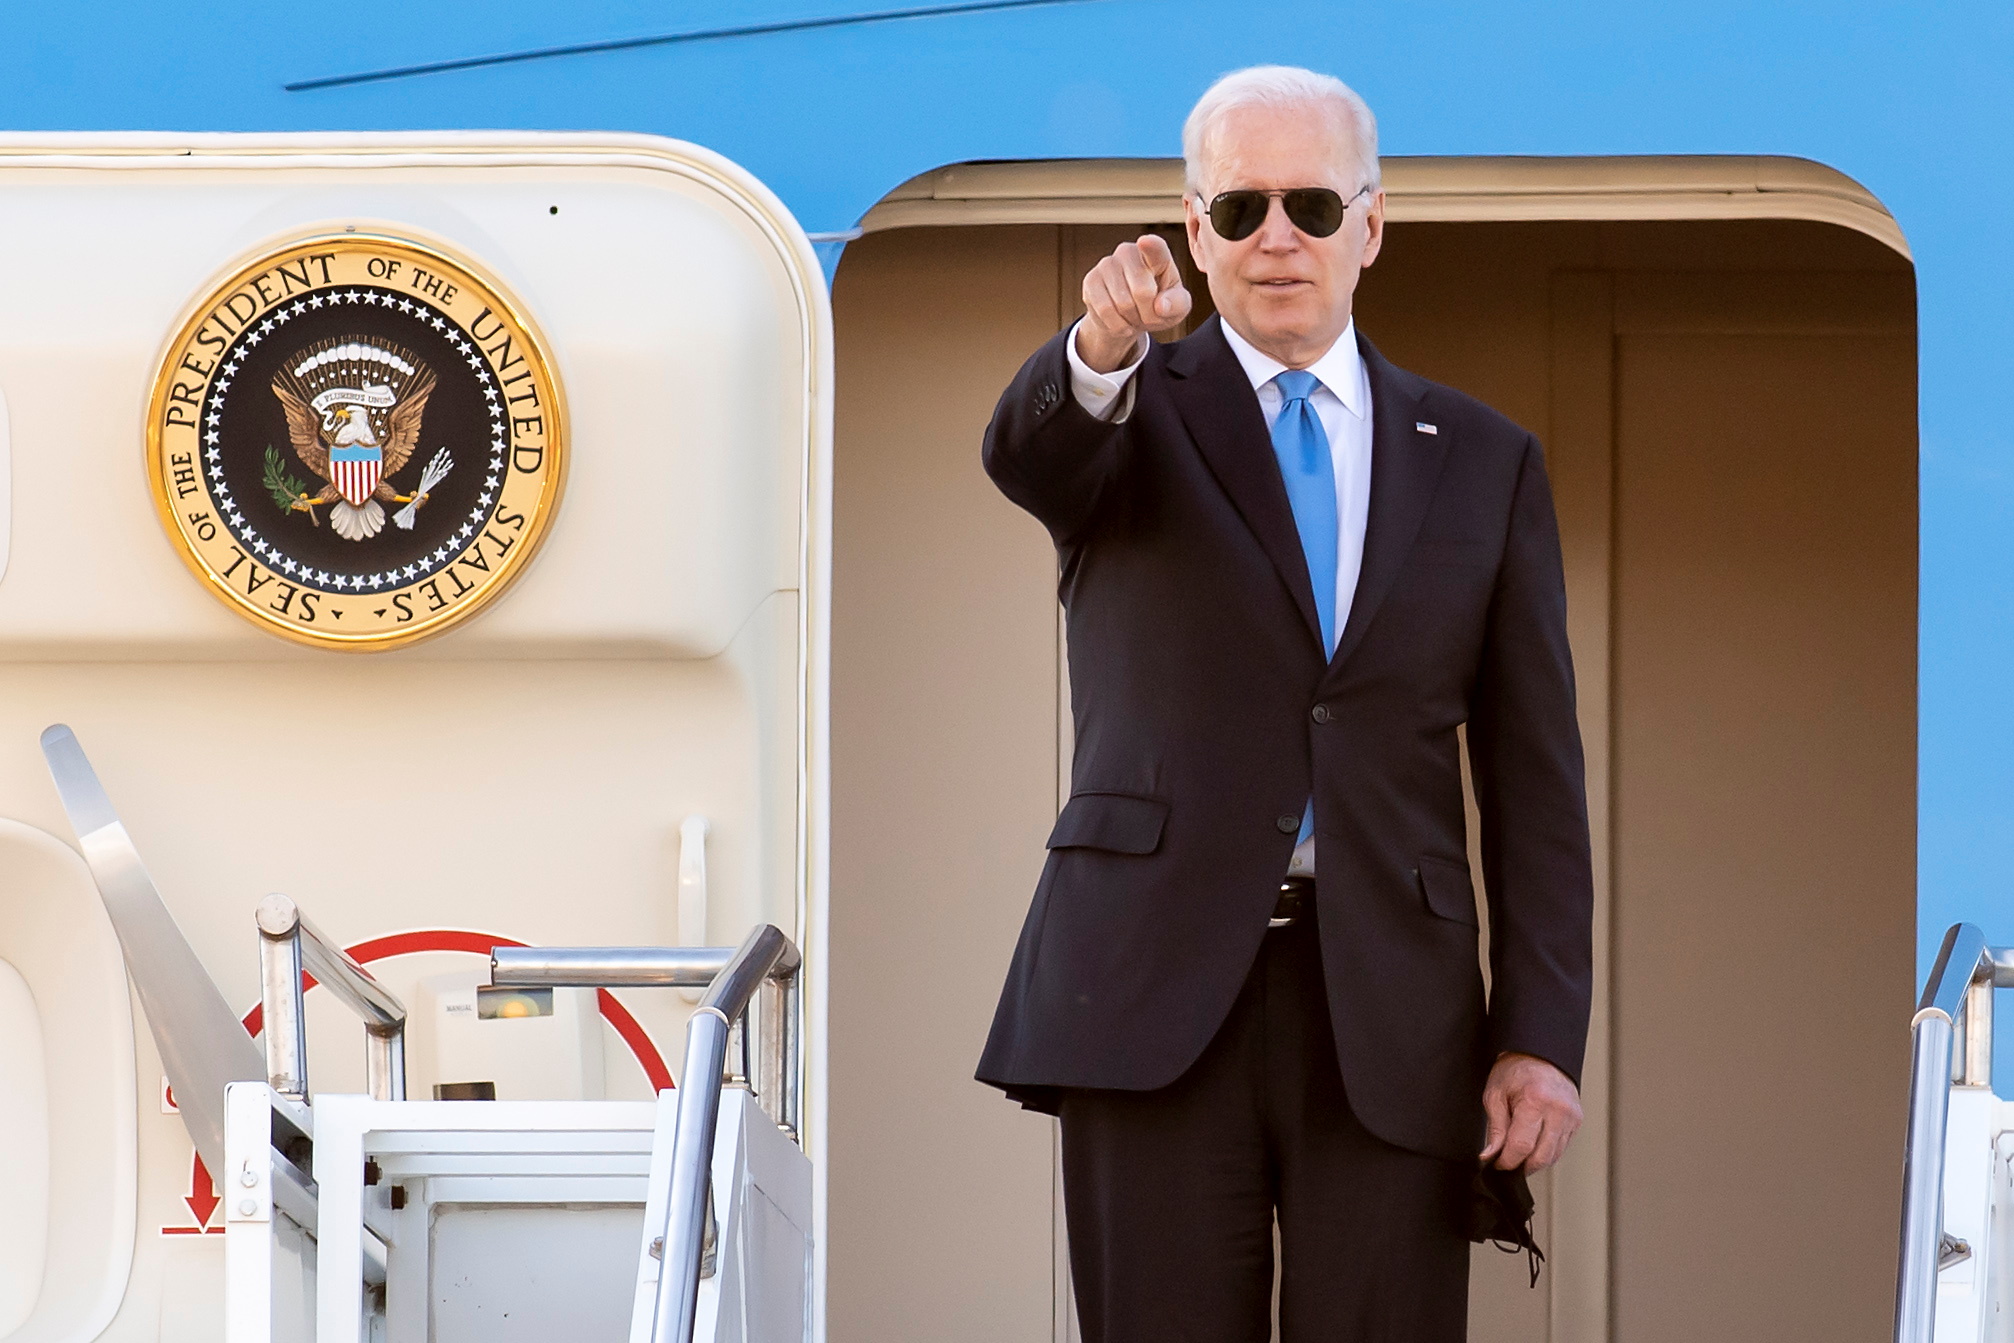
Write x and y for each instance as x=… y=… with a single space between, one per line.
x=1206 y=716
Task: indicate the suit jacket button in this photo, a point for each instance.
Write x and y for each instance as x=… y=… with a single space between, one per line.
x=1288 y=824
x=1321 y=713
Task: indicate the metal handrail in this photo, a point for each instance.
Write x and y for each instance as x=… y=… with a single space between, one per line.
x=1956 y=1007
x=203 y=1049
x=775 y=1074
x=607 y=967
x=766 y=960
x=766 y=951
x=289 y=945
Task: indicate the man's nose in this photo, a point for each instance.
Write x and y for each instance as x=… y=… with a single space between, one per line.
x=1278 y=233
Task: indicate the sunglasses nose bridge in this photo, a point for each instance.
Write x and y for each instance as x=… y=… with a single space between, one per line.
x=1277 y=229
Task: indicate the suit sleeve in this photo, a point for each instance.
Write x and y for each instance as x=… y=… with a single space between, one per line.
x=1531 y=790
x=1046 y=452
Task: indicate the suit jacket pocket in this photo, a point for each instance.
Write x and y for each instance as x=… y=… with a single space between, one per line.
x=1449 y=890
x=1117 y=822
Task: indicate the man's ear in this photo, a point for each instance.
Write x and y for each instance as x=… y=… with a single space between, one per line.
x=1192 y=220
x=1374 y=227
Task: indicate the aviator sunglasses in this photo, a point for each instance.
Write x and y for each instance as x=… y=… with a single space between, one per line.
x=1315 y=211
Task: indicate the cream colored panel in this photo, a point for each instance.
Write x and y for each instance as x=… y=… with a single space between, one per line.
x=6 y=485
x=679 y=310
x=67 y=1177
x=544 y=807
x=525 y=775
x=24 y=1151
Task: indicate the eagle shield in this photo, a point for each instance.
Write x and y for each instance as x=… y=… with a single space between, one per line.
x=355 y=470
x=353 y=411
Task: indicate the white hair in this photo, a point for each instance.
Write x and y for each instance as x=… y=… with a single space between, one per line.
x=1280 y=86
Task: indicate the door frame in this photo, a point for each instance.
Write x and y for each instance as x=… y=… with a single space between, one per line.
x=1417 y=190
x=1141 y=192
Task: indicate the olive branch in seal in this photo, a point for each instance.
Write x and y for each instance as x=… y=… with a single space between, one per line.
x=286 y=489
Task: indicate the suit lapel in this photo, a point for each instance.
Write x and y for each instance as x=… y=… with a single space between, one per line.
x=1405 y=467
x=1216 y=401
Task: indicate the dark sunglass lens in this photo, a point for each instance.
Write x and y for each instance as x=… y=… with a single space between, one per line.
x=1237 y=214
x=1315 y=211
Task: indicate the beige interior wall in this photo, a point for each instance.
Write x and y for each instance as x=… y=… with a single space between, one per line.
x=943 y=784
x=1703 y=388
x=946 y=754
x=1765 y=817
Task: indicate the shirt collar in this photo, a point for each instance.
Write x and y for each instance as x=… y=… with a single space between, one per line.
x=1340 y=369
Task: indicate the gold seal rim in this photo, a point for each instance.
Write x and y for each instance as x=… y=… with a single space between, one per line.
x=551 y=491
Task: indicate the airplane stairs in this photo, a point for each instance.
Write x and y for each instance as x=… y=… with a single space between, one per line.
x=379 y=1219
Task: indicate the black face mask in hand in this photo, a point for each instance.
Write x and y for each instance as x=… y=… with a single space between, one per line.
x=1500 y=1209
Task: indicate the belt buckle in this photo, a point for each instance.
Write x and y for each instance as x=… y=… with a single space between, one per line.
x=1293 y=893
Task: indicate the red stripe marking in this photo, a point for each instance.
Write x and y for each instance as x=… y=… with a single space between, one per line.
x=436 y=939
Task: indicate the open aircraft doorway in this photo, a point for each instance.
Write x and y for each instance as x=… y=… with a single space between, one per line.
x=1720 y=357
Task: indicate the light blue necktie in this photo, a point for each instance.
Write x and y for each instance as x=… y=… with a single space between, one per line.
x=1310 y=474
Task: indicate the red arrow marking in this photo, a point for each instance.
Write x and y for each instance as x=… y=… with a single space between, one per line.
x=202 y=1197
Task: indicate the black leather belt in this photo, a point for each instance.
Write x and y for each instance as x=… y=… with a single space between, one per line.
x=1297 y=900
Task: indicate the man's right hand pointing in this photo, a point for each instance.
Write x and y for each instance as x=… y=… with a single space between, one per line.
x=1129 y=295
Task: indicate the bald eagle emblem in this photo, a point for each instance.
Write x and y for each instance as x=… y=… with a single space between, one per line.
x=354 y=410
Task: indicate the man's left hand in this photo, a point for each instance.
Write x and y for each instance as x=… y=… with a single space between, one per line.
x=1533 y=1109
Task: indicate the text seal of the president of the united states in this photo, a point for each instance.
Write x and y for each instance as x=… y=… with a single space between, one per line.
x=356 y=440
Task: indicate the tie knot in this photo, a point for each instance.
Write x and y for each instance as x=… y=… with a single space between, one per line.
x=1296 y=384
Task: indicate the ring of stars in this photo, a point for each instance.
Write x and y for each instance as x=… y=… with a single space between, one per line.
x=276 y=557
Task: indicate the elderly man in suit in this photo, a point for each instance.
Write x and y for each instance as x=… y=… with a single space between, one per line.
x=1249 y=982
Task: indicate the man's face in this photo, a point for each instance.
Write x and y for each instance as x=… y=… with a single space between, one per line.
x=1284 y=291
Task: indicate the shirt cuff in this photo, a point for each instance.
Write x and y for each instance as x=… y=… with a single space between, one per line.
x=1108 y=396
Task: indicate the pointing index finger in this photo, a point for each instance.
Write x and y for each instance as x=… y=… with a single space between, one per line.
x=1159 y=257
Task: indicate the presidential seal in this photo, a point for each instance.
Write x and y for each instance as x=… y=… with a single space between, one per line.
x=356 y=441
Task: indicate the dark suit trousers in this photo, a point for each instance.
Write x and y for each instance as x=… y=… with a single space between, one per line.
x=1171 y=1195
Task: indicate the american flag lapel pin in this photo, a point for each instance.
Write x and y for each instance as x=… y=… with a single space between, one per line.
x=1426 y=428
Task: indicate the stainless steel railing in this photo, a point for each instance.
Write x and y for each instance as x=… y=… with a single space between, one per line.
x=203 y=1049
x=289 y=945
x=1956 y=1009
x=766 y=962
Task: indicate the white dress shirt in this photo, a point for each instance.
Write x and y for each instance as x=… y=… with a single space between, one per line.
x=1342 y=402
